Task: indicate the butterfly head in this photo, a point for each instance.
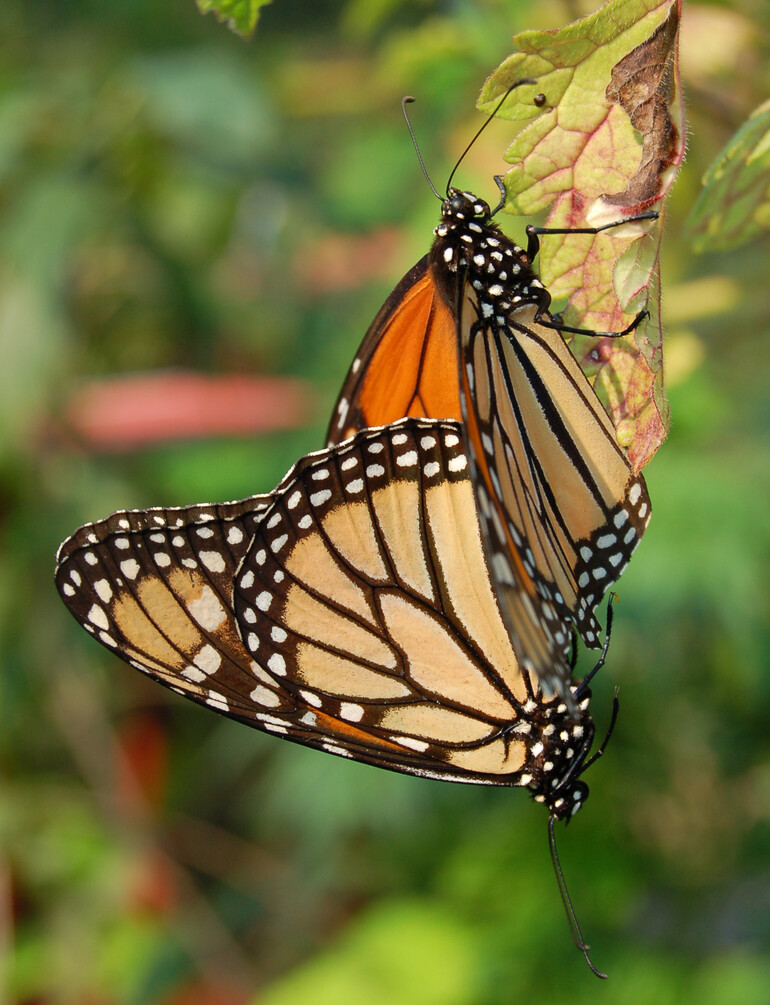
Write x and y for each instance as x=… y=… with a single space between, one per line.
x=559 y=756
x=460 y=207
x=468 y=242
x=563 y=805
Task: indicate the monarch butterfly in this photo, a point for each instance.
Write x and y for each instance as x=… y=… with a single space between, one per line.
x=467 y=334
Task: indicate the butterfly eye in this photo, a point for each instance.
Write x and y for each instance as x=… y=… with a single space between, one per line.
x=458 y=203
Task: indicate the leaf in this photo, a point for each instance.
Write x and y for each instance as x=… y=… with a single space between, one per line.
x=605 y=144
x=239 y=15
x=734 y=206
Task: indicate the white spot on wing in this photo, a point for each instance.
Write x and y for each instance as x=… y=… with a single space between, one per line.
x=351 y=711
x=130 y=568
x=207 y=610
x=97 y=617
x=213 y=561
x=208 y=659
x=277 y=664
x=263 y=696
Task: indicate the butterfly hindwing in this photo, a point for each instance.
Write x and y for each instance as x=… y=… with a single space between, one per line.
x=560 y=509
x=362 y=596
x=155 y=586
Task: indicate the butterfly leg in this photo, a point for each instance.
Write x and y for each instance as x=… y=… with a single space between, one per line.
x=603 y=745
x=534 y=233
x=550 y=322
x=542 y=316
x=603 y=655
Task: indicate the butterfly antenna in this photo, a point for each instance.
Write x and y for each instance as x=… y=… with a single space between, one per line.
x=577 y=935
x=407 y=100
x=518 y=83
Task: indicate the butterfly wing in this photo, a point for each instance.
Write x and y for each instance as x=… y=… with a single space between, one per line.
x=560 y=508
x=407 y=362
x=353 y=612
x=155 y=586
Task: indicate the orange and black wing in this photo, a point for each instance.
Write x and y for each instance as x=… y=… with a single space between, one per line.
x=560 y=508
x=407 y=362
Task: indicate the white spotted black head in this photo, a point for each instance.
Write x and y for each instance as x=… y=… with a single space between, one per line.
x=559 y=745
x=468 y=243
x=464 y=206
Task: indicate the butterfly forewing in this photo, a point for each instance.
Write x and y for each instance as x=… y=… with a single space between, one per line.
x=407 y=362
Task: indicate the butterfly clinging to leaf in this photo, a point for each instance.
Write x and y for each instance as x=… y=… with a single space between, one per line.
x=467 y=334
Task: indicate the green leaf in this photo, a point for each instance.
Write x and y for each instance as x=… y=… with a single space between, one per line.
x=239 y=15
x=734 y=206
x=603 y=145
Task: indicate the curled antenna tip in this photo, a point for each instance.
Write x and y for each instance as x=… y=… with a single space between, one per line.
x=407 y=99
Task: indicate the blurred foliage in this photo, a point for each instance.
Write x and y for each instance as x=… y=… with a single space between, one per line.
x=239 y=15
x=173 y=197
x=734 y=206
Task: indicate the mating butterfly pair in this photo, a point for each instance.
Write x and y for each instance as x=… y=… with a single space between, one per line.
x=407 y=597
x=375 y=603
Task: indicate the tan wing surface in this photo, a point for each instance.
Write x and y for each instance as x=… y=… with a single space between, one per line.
x=561 y=511
x=351 y=610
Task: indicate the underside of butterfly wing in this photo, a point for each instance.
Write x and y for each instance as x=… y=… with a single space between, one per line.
x=560 y=509
x=155 y=586
x=363 y=597
x=351 y=610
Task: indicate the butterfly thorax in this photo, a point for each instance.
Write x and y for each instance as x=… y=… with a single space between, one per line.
x=468 y=243
x=559 y=744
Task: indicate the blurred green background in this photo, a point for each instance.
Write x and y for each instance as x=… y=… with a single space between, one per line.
x=173 y=197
